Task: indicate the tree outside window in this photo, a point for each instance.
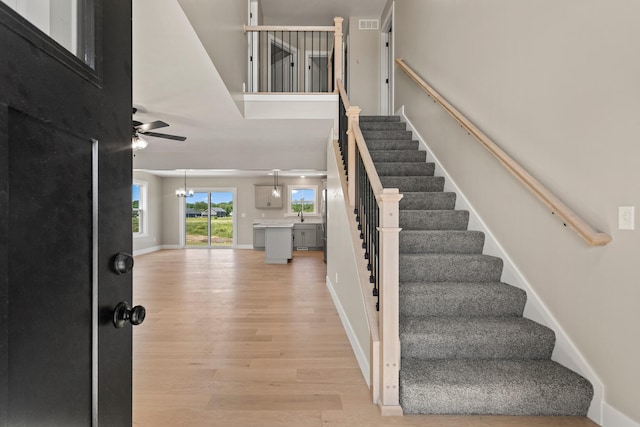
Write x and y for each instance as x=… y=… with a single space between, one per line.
x=138 y=192
x=303 y=198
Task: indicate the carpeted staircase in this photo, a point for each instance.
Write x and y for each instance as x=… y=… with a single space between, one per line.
x=466 y=349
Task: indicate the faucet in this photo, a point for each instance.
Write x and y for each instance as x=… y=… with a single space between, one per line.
x=301 y=212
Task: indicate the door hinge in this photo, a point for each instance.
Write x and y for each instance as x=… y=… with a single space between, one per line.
x=387 y=81
x=250 y=14
x=387 y=44
x=293 y=65
x=251 y=59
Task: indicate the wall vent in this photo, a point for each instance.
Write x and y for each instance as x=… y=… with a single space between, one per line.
x=369 y=24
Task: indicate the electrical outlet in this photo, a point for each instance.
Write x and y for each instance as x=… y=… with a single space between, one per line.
x=626 y=218
x=336 y=278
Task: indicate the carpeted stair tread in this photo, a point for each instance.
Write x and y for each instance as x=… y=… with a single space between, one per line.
x=403 y=168
x=413 y=183
x=455 y=299
x=387 y=134
x=441 y=241
x=438 y=200
x=378 y=125
x=449 y=268
x=392 y=144
x=433 y=219
x=492 y=387
x=379 y=118
x=474 y=338
x=407 y=156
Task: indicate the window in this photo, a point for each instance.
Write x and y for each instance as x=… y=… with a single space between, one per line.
x=138 y=207
x=303 y=198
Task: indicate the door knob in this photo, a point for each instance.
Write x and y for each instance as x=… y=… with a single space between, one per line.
x=124 y=312
x=122 y=263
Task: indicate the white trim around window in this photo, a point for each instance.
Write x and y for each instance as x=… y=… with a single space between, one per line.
x=291 y=198
x=142 y=210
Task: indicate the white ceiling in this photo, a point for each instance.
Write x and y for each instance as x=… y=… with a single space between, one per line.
x=174 y=80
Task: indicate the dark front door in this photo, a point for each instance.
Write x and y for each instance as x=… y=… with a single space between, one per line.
x=65 y=212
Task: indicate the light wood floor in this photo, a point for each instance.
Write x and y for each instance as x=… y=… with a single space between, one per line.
x=230 y=341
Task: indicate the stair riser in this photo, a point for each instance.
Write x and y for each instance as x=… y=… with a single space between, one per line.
x=449 y=268
x=413 y=184
x=367 y=126
x=383 y=134
x=461 y=299
x=428 y=201
x=434 y=220
x=405 y=169
x=450 y=242
x=397 y=156
x=477 y=339
x=383 y=144
x=505 y=387
x=379 y=118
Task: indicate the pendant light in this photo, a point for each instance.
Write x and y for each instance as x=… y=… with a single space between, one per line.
x=184 y=192
x=276 y=190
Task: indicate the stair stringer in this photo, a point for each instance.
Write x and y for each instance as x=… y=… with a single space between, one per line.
x=565 y=351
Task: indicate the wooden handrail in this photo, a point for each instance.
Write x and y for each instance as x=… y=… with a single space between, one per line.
x=287 y=28
x=570 y=218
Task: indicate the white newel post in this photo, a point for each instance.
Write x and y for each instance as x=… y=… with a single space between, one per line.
x=389 y=317
x=353 y=114
x=337 y=56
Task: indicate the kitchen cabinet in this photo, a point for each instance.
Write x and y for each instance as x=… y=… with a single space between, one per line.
x=265 y=198
x=258 y=238
x=307 y=236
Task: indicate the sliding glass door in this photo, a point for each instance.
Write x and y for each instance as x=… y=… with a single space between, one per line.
x=209 y=219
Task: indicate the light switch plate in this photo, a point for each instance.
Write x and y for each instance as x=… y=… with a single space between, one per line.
x=626 y=218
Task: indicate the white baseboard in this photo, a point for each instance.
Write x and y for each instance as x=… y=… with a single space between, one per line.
x=357 y=350
x=147 y=250
x=611 y=417
x=243 y=247
x=565 y=352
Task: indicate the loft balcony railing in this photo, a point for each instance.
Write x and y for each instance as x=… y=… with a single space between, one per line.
x=287 y=59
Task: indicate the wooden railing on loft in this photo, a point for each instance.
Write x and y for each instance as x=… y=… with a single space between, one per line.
x=294 y=59
x=377 y=214
x=569 y=218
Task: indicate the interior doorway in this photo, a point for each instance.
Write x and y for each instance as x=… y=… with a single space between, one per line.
x=283 y=65
x=209 y=220
x=387 y=64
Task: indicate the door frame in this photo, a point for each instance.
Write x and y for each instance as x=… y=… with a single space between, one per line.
x=307 y=61
x=234 y=219
x=294 y=55
x=387 y=66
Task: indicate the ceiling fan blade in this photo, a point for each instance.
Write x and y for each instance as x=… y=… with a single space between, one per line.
x=136 y=123
x=143 y=127
x=164 y=135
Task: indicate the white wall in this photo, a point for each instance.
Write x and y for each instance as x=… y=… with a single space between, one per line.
x=342 y=271
x=218 y=24
x=245 y=210
x=556 y=85
x=364 y=67
x=153 y=215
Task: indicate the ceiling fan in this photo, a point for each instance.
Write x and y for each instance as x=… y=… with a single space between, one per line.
x=140 y=128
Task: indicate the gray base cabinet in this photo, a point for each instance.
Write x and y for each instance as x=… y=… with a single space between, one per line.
x=258 y=238
x=307 y=237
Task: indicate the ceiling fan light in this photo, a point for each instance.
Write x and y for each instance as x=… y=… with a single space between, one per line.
x=138 y=143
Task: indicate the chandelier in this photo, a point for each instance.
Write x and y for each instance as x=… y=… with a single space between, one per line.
x=184 y=192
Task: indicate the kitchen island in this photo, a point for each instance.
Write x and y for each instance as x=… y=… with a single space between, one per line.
x=277 y=239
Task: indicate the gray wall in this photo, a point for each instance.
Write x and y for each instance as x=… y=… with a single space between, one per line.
x=218 y=24
x=364 y=68
x=556 y=85
x=153 y=214
x=245 y=204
